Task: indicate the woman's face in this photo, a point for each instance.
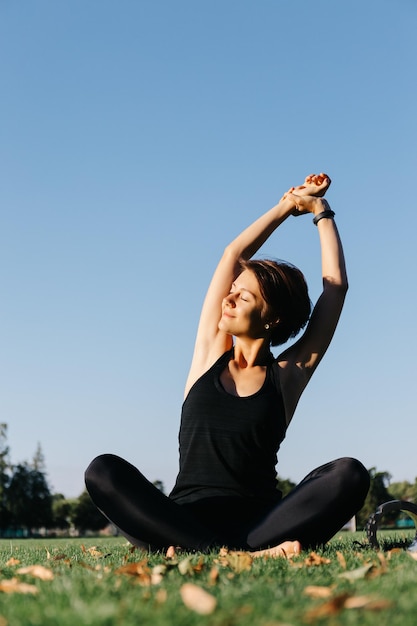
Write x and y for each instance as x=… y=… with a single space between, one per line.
x=244 y=310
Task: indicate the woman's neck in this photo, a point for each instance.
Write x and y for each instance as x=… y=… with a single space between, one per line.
x=251 y=353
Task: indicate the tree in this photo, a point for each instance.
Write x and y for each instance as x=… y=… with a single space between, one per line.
x=378 y=494
x=404 y=491
x=285 y=485
x=4 y=478
x=63 y=511
x=159 y=485
x=86 y=515
x=30 y=501
x=38 y=462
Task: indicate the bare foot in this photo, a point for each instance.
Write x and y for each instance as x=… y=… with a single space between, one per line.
x=287 y=549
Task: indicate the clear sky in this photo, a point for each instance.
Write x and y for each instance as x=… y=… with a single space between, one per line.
x=137 y=138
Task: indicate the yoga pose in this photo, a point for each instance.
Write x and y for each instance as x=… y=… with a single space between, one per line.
x=239 y=401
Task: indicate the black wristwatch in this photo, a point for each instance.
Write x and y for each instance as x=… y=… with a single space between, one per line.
x=387 y=507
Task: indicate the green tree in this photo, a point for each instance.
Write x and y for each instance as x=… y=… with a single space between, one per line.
x=4 y=478
x=378 y=494
x=30 y=501
x=159 y=485
x=285 y=485
x=63 y=511
x=404 y=490
x=86 y=515
x=38 y=462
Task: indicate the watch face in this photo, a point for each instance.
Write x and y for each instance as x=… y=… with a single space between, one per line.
x=393 y=505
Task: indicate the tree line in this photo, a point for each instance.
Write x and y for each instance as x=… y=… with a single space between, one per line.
x=381 y=490
x=28 y=506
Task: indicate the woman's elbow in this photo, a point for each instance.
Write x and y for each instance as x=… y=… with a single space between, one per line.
x=339 y=286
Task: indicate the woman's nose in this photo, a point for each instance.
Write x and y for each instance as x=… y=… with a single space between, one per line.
x=229 y=300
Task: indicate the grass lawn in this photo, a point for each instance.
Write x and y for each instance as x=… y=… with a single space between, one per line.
x=104 y=582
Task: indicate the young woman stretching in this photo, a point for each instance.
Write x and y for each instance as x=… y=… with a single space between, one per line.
x=239 y=400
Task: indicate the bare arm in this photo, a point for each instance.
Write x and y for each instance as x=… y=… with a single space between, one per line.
x=300 y=360
x=210 y=341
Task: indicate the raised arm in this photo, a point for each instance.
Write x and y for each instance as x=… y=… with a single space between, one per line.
x=210 y=341
x=300 y=360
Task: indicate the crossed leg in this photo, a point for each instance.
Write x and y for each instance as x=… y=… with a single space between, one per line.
x=309 y=516
x=314 y=511
x=142 y=513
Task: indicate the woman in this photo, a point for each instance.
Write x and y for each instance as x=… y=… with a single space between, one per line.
x=238 y=403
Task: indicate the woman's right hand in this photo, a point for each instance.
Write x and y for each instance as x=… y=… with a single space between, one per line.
x=314 y=185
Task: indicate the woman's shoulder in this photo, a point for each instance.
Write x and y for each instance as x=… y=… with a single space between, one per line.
x=213 y=360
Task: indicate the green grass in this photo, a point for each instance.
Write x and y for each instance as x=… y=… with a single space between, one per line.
x=87 y=591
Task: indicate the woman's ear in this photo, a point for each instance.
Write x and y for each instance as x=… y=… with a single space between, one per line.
x=271 y=325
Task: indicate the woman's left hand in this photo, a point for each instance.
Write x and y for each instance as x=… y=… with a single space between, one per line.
x=315 y=185
x=308 y=204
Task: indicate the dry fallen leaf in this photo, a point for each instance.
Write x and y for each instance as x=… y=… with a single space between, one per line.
x=37 y=571
x=185 y=566
x=341 y=559
x=332 y=607
x=214 y=575
x=170 y=553
x=197 y=599
x=358 y=573
x=157 y=574
x=15 y=586
x=60 y=557
x=139 y=570
x=12 y=561
x=238 y=561
x=199 y=566
x=394 y=551
x=314 y=559
x=94 y=552
x=368 y=603
x=315 y=591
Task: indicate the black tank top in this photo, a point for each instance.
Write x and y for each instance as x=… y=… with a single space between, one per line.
x=228 y=444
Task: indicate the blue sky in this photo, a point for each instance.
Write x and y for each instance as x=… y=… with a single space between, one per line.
x=137 y=138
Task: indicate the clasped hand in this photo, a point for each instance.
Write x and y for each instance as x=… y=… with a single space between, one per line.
x=308 y=197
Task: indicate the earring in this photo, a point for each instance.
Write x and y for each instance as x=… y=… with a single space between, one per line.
x=266 y=327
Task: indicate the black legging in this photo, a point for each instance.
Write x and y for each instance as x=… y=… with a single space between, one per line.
x=312 y=513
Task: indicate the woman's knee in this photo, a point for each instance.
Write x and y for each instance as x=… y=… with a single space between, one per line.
x=100 y=470
x=353 y=476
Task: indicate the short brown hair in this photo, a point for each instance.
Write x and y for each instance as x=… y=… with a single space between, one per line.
x=285 y=291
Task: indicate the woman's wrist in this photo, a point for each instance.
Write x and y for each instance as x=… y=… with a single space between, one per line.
x=287 y=205
x=326 y=214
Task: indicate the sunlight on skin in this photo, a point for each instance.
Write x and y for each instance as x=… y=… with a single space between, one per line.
x=314 y=185
x=287 y=549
